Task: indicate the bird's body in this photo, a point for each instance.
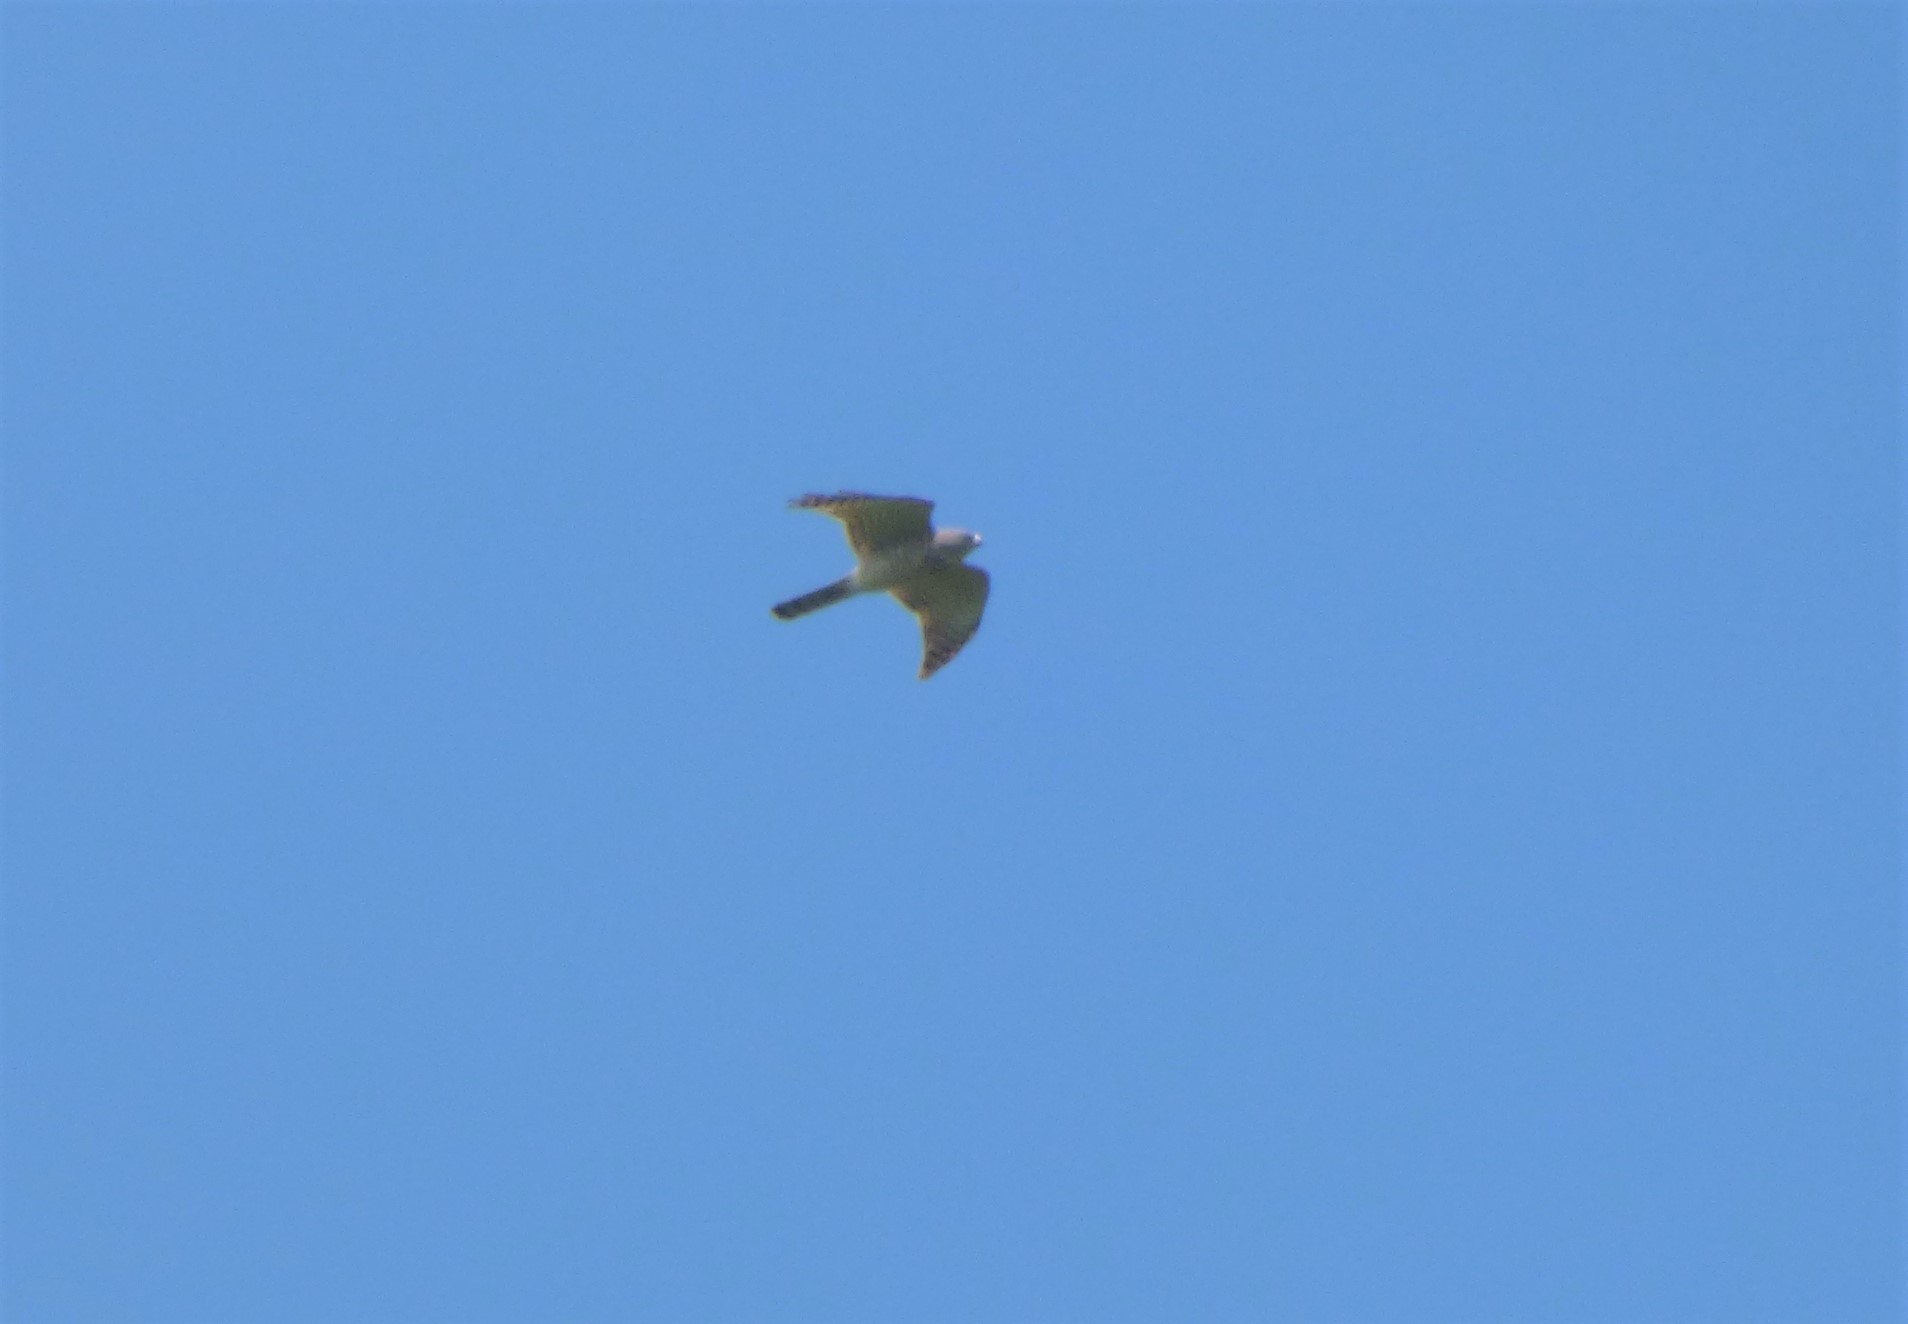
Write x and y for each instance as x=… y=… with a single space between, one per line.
x=884 y=568
x=898 y=551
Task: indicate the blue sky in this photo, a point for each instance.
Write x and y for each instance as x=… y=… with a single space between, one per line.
x=1417 y=838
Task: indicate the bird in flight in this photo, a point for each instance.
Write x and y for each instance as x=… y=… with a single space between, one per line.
x=898 y=551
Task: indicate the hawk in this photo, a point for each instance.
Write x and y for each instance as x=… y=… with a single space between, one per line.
x=898 y=551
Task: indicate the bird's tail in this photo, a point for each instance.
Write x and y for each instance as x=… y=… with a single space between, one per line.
x=821 y=597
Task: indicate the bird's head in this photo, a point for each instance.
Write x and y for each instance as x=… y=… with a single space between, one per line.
x=959 y=542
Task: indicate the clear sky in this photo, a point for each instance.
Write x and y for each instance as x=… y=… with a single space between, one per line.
x=1417 y=838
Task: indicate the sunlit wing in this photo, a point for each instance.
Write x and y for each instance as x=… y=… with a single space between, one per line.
x=949 y=603
x=874 y=522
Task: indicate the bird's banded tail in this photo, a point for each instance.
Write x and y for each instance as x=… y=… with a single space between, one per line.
x=821 y=597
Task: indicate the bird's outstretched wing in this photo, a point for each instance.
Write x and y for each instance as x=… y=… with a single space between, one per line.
x=949 y=602
x=874 y=522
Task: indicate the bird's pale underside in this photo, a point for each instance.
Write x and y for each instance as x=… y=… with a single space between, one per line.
x=898 y=551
